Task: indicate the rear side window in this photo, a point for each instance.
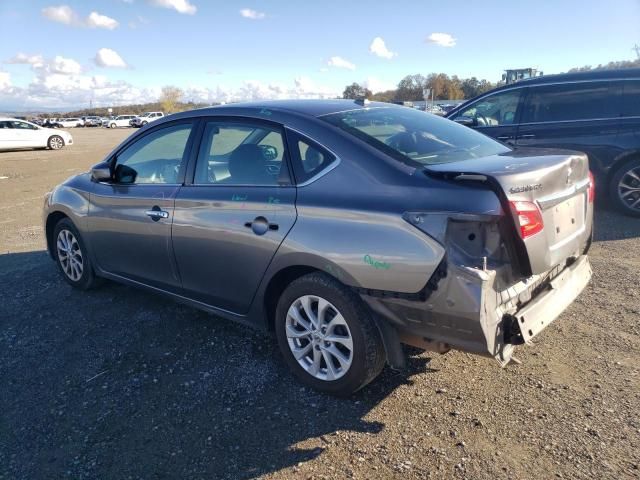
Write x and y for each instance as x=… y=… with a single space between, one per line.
x=631 y=95
x=309 y=158
x=576 y=101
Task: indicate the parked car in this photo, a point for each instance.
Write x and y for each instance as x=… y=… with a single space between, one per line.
x=92 y=121
x=594 y=112
x=69 y=122
x=147 y=117
x=16 y=133
x=344 y=230
x=119 y=121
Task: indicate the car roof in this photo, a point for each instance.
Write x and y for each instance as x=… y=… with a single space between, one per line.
x=313 y=108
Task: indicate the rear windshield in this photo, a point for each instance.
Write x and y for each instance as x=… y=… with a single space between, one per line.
x=415 y=137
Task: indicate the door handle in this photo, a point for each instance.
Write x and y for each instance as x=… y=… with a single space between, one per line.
x=528 y=135
x=261 y=225
x=156 y=214
x=504 y=137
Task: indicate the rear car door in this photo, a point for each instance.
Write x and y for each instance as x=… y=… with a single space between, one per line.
x=130 y=217
x=578 y=116
x=234 y=212
x=495 y=115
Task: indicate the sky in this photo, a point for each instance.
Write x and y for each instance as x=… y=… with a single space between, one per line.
x=68 y=54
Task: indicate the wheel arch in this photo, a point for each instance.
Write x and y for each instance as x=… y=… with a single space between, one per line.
x=52 y=220
x=64 y=144
x=623 y=158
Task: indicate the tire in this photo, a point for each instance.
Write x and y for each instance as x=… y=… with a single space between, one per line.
x=113 y=125
x=55 y=142
x=68 y=248
x=622 y=188
x=347 y=318
x=144 y=123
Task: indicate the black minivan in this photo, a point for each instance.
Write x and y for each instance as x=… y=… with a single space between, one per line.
x=594 y=112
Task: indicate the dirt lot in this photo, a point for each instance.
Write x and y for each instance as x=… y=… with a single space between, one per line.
x=118 y=383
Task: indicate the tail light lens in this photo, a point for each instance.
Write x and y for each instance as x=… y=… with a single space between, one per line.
x=592 y=188
x=529 y=218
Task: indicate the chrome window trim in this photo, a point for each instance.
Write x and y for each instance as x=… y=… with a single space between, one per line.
x=325 y=170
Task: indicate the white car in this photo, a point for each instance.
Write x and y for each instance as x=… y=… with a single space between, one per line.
x=16 y=133
x=69 y=122
x=119 y=121
x=146 y=117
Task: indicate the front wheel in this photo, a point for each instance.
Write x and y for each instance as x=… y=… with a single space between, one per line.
x=55 y=142
x=327 y=335
x=625 y=188
x=71 y=256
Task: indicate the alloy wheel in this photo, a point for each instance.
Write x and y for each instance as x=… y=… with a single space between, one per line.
x=69 y=255
x=319 y=338
x=629 y=188
x=55 y=143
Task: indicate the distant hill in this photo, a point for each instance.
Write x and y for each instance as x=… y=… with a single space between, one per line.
x=130 y=109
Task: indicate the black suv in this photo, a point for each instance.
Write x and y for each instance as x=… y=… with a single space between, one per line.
x=594 y=112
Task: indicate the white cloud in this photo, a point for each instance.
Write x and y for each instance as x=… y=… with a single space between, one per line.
x=340 y=62
x=376 y=85
x=442 y=39
x=379 y=48
x=61 y=14
x=64 y=66
x=66 y=15
x=252 y=14
x=5 y=80
x=181 y=6
x=22 y=58
x=109 y=59
x=95 y=20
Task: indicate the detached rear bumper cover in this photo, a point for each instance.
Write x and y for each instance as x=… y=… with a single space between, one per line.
x=546 y=307
x=467 y=311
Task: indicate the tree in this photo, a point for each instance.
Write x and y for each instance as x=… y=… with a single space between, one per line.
x=411 y=88
x=355 y=90
x=169 y=98
x=386 y=96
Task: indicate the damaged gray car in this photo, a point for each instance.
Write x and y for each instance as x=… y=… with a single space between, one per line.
x=345 y=228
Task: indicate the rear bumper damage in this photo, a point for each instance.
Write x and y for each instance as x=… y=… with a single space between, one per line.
x=468 y=311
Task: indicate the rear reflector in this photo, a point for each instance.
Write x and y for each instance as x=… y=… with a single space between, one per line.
x=592 y=188
x=529 y=218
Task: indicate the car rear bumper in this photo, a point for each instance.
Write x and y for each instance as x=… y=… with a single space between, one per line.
x=466 y=311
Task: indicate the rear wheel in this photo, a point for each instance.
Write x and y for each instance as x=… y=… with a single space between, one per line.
x=55 y=142
x=71 y=256
x=327 y=335
x=625 y=188
x=113 y=125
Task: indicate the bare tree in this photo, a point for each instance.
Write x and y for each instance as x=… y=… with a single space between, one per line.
x=169 y=98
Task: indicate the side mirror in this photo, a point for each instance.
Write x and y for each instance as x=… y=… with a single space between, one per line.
x=101 y=172
x=467 y=121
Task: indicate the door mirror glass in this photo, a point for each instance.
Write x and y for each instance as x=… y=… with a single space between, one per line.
x=101 y=172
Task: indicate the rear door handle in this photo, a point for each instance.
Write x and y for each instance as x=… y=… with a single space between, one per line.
x=156 y=214
x=261 y=225
x=528 y=135
x=504 y=137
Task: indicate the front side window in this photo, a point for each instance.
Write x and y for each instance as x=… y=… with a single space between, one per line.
x=241 y=154
x=23 y=126
x=415 y=137
x=576 y=101
x=494 y=110
x=154 y=158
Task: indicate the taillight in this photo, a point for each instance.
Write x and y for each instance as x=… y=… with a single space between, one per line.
x=529 y=218
x=592 y=188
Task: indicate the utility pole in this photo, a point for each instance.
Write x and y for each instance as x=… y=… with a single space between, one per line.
x=636 y=48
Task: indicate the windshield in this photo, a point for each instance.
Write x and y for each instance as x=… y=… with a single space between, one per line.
x=415 y=137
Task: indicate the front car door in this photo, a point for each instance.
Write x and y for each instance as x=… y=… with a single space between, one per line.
x=495 y=115
x=580 y=116
x=237 y=206
x=130 y=217
x=25 y=134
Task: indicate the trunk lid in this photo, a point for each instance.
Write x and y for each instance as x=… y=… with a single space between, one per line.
x=556 y=181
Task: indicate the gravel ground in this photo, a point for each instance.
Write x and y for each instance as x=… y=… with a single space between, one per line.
x=119 y=383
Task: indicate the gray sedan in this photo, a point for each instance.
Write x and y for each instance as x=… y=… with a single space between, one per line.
x=345 y=228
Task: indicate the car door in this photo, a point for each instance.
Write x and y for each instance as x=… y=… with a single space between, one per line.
x=495 y=115
x=130 y=217
x=233 y=213
x=24 y=134
x=7 y=138
x=629 y=131
x=578 y=116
